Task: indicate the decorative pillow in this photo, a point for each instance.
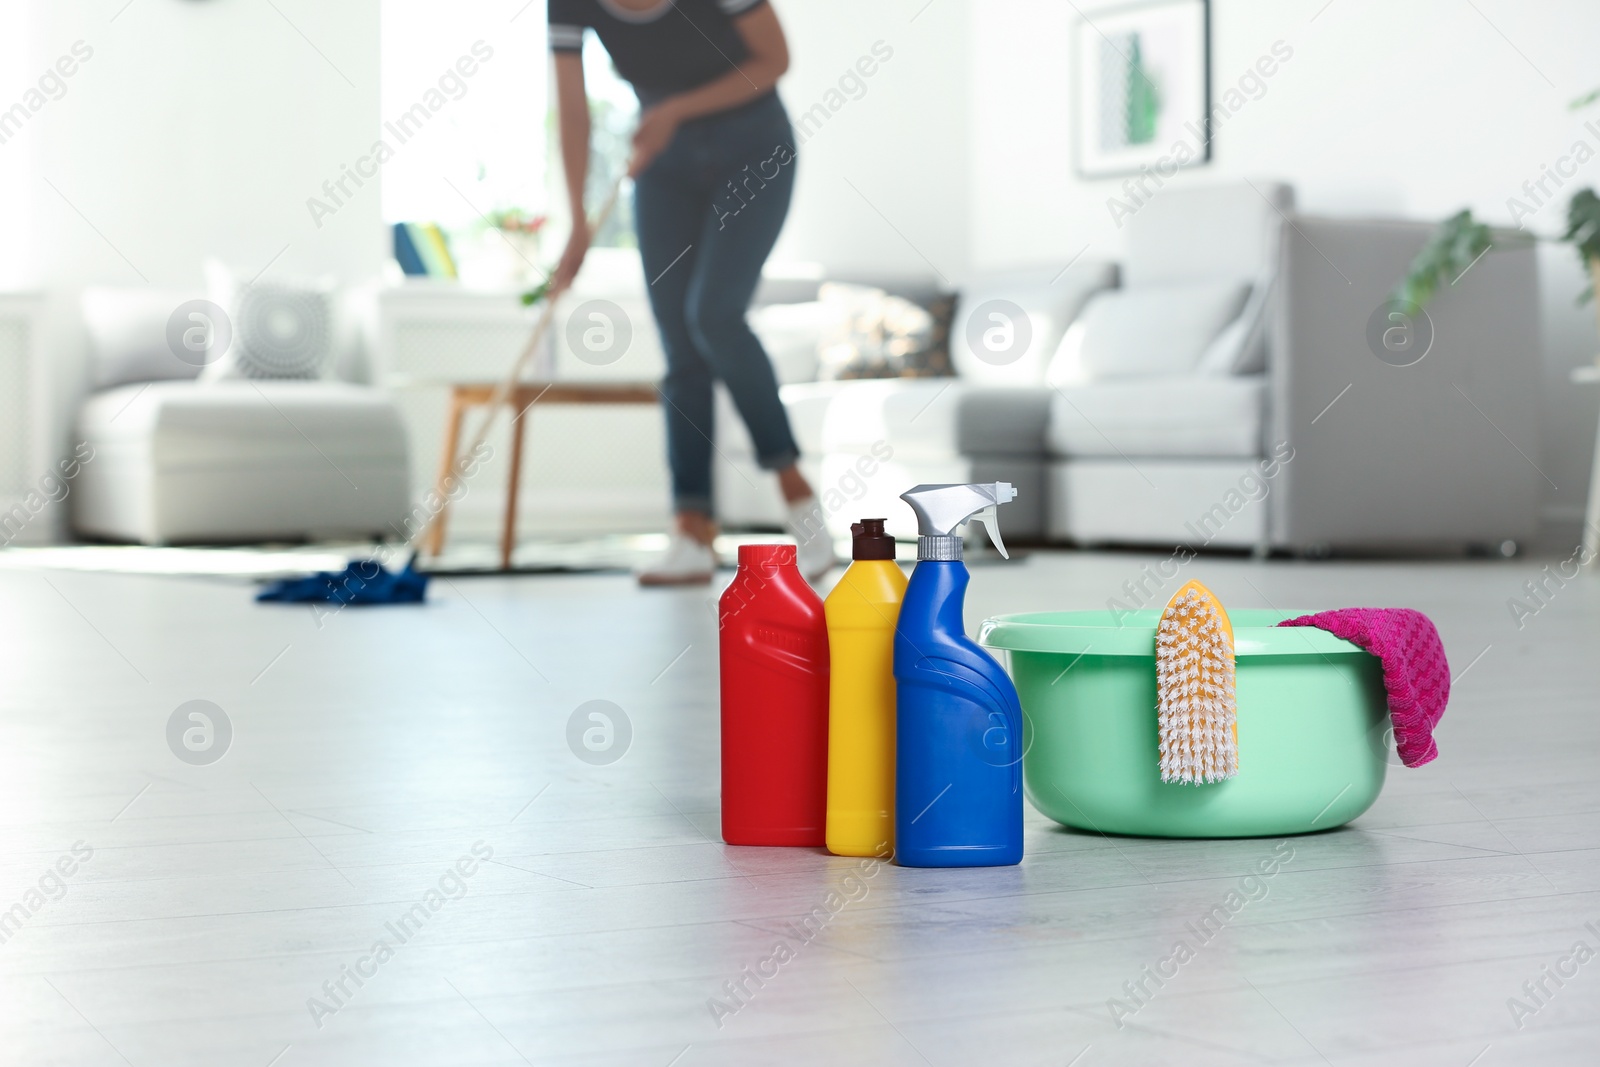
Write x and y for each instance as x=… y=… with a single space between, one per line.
x=128 y=335
x=934 y=360
x=1241 y=347
x=1151 y=331
x=872 y=334
x=280 y=330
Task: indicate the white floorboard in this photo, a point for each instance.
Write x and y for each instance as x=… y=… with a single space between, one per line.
x=374 y=747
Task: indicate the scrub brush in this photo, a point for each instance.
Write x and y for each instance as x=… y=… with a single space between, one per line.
x=1194 y=686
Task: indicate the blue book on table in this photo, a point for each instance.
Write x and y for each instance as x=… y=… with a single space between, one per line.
x=405 y=251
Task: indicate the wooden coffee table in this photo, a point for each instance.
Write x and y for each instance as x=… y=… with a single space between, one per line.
x=477 y=394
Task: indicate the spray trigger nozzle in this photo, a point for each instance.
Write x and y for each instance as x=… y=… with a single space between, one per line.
x=991 y=526
x=942 y=510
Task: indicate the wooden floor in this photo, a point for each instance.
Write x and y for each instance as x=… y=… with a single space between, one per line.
x=221 y=907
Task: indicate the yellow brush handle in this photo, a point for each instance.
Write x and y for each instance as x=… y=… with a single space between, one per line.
x=502 y=391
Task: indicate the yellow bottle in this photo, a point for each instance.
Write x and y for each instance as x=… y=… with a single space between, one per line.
x=862 y=611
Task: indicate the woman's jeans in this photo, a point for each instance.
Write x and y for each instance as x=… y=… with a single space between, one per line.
x=709 y=209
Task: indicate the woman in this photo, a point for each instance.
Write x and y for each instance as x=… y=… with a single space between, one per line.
x=713 y=166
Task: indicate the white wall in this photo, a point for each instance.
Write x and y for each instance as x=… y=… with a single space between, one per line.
x=1414 y=109
x=17 y=74
x=202 y=128
x=192 y=129
x=899 y=136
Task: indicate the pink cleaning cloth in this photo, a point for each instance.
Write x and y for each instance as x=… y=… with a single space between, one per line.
x=1415 y=671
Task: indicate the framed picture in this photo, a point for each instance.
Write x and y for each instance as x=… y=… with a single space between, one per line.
x=1143 y=88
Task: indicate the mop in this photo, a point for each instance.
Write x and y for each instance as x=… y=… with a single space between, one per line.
x=366 y=581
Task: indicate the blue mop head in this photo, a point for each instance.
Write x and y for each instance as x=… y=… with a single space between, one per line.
x=362 y=582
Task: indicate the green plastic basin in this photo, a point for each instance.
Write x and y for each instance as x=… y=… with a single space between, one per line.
x=1312 y=718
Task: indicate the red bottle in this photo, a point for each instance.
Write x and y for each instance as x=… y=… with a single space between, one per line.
x=774 y=642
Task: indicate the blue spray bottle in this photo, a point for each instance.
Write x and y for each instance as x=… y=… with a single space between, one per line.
x=958 y=738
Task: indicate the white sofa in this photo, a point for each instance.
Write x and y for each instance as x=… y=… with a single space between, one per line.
x=1301 y=438
x=1168 y=415
x=1226 y=394
x=178 y=461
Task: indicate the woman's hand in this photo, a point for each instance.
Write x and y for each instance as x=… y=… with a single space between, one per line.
x=572 y=256
x=656 y=129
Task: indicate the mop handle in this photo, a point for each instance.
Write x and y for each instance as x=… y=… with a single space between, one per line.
x=502 y=391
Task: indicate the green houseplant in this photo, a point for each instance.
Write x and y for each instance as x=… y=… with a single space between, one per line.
x=1461 y=239
x=1583 y=230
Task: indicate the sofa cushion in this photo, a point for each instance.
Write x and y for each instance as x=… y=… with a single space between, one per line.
x=1176 y=417
x=932 y=418
x=1197 y=503
x=128 y=339
x=1241 y=346
x=280 y=330
x=1152 y=331
x=1008 y=325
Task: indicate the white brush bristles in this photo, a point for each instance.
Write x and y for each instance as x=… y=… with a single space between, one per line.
x=1194 y=686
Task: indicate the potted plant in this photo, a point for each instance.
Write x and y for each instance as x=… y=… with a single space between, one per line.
x=501 y=249
x=519 y=230
x=1461 y=239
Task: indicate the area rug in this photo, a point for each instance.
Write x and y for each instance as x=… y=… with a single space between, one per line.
x=259 y=563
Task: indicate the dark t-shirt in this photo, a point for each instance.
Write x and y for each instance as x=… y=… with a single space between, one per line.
x=681 y=45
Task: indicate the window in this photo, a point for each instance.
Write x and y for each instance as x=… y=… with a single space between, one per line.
x=467 y=146
x=464 y=144
x=613 y=114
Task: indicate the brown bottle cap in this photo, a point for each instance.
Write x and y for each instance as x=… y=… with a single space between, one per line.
x=869 y=541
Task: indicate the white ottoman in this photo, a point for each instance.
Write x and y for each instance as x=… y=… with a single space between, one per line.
x=181 y=462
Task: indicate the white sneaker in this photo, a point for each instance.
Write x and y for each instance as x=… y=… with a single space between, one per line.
x=685 y=562
x=810 y=531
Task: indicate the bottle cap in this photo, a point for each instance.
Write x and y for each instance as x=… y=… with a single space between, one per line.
x=869 y=541
x=767 y=556
x=942 y=510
